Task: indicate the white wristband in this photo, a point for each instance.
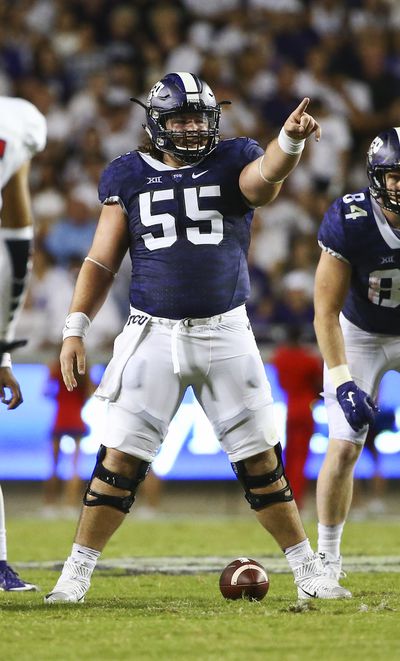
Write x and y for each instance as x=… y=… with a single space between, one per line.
x=6 y=360
x=290 y=145
x=77 y=324
x=339 y=375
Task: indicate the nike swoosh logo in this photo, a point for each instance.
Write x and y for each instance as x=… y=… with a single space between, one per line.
x=310 y=594
x=194 y=176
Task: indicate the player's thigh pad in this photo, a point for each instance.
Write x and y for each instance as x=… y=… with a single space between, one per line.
x=237 y=398
x=249 y=433
x=338 y=426
x=149 y=397
x=367 y=363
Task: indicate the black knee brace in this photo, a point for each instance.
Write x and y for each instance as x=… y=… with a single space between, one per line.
x=122 y=503
x=20 y=252
x=259 y=501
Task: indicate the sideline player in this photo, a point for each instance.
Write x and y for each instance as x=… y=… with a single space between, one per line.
x=184 y=208
x=357 y=322
x=299 y=373
x=22 y=135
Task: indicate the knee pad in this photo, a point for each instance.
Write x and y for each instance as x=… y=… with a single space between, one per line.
x=248 y=482
x=121 y=503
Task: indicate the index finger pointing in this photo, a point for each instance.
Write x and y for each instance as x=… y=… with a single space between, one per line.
x=301 y=107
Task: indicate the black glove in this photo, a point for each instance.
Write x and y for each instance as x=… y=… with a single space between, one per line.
x=357 y=405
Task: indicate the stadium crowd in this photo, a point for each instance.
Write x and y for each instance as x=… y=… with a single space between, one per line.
x=80 y=61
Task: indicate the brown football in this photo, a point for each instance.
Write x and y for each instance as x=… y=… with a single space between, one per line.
x=244 y=578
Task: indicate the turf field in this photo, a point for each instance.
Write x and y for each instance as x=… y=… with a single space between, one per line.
x=137 y=610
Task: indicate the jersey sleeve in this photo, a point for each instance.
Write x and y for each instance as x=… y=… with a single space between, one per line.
x=110 y=188
x=250 y=151
x=244 y=151
x=35 y=129
x=332 y=235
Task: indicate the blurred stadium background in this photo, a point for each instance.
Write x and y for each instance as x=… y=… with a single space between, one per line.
x=79 y=62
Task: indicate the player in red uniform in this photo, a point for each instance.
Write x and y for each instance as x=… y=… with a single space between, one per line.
x=68 y=421
x=300 y=375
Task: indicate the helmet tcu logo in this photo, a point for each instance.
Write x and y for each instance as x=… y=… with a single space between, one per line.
x=155 y=90
x=376 y=144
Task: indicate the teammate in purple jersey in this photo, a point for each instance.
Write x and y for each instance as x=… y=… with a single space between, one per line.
x=357 y=322
x=183 y=207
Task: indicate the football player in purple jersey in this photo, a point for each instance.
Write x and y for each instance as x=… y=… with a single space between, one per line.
x=183 y=207
x=357 y=322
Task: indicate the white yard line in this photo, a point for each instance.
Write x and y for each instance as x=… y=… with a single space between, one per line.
x=214 y=564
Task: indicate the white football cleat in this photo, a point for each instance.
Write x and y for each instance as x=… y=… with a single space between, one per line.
x=313 y=583
x=332 y=565
x=72 y=585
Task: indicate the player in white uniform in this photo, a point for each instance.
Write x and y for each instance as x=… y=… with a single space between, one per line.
x=22 y=135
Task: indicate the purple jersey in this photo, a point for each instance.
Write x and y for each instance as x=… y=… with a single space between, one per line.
x=355 y=229
x=189 y=229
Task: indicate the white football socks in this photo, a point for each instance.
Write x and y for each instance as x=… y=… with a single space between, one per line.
x=329 y=539
x=298 y=554
x=86 y=556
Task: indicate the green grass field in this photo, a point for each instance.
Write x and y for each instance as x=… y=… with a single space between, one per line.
x=160 y=616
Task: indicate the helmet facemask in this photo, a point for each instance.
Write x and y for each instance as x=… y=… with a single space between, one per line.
x=384 y=157
x=176 y=94
x=386 y=198
x=188 y=146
